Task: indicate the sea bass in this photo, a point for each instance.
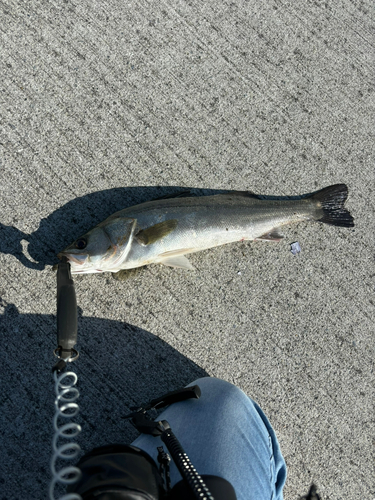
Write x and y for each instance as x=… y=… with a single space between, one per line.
x=164 y=231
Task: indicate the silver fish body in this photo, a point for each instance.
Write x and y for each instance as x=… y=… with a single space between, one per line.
x=164 y=231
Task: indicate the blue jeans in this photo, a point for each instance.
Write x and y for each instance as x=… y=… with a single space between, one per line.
x=226 y=434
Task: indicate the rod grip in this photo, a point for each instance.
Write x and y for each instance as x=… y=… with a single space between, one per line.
x=66 y=310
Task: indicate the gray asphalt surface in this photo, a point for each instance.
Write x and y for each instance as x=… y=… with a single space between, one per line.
x=106 y=104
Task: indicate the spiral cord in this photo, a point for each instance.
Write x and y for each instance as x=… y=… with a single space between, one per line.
x=66 y=408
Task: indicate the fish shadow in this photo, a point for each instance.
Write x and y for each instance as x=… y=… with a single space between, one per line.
x=120 y=365
x=78 y=216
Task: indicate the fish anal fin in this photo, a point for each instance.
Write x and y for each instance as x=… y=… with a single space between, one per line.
x=157 y=232
x=271 y=236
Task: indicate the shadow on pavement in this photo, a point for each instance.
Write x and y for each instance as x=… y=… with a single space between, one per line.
x=120 y=365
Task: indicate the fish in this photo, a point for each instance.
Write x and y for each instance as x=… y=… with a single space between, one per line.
x=164 y=231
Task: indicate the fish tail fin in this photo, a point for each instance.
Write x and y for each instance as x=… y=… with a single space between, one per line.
x=332 y=200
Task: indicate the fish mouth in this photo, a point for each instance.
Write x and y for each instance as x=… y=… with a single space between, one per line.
x=72 y=258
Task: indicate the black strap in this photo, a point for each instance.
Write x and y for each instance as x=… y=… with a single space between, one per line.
x=182 y=394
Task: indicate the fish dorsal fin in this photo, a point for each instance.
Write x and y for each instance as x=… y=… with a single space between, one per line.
x=271 y=236
x=181 y=194
x=247 y=194
x=157 y=232
x=177 y=261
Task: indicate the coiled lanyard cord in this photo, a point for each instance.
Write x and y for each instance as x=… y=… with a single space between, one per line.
x=66 y=408
x=66 y=391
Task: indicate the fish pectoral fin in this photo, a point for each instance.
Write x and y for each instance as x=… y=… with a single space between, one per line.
x=271 y=236
x=176 y=259
x=157 y=232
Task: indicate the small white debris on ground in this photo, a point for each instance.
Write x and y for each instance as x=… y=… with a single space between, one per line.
x=295 y=248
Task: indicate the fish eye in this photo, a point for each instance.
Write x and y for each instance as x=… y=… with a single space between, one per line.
x=81 y=243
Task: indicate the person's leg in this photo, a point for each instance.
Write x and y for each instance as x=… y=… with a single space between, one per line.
x=226 y=434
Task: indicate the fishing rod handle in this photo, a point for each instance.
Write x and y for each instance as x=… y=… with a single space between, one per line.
x=66 y=311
